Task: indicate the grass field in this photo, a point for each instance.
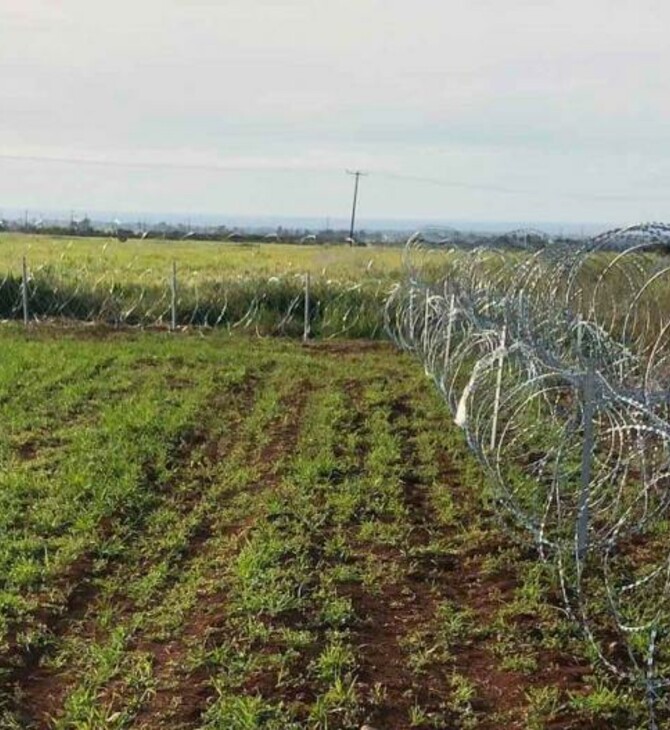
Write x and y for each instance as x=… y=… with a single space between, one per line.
x=257 y=287
x=151 y=261
x=231 y=533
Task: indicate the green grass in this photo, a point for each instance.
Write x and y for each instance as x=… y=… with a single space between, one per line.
x=151 y=261
x=216 y=532
x=259 y=288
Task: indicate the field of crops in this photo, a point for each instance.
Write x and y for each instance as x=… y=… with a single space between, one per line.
x=239 y=533
x=253 y=287
x=205 y=528
x=106 y=256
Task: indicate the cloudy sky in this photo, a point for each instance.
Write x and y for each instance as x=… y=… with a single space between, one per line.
x=521 y=110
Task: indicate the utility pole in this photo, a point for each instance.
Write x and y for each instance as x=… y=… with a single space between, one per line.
x=357 y=175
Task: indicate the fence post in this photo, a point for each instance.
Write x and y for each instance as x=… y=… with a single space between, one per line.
x=496 y=402
x=24 y=291
x=580 y=337
x=426 y=318
x=173 y=303
x=306 y=327
x=450 y=324
x=588 y=386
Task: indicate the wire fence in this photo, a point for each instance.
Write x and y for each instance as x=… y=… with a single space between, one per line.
x=297 y=305
x=556 y=364
x=554 y=359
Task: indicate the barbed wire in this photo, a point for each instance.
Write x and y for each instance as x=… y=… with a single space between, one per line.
x=260 y=304
x=556 y=363
x=553 y=357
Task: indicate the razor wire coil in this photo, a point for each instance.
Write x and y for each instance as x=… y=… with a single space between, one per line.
x=555 y=361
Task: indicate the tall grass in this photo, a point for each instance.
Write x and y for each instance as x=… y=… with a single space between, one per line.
x=274 y=305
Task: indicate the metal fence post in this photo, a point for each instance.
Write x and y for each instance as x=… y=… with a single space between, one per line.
x=426 y=318
x=580 y=337
x=306 y=326
x=173 y=303
x=587 y=396
x=450 y=324
x=496 y=402
x=24 y=291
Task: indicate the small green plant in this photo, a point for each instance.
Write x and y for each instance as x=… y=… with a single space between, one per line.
x=335 y=660
x=601 y=702
x=523 y=663
x=234 y=712
x=339 y=704
x=543 y=705
x=460 y=700
x=418 y=716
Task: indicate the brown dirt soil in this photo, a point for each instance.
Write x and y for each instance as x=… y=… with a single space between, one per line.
x=349 y=348
x=43 y=688
x=76 y=329
x=182 y=695
x=386 y=619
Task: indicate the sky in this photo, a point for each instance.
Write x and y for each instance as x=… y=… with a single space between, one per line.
x=551 y=110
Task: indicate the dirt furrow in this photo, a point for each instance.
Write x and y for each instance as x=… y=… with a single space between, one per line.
x=181 y=694
x=42 y=687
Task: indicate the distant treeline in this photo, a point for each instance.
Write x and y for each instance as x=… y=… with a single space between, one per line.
x=88 y=229
x=520 y=239
x=163 y=231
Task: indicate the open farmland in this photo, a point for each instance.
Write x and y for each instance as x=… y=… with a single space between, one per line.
x=208 y=529
x=104 y=256
x=253 y=287
x=334 y=366
x=234 y=533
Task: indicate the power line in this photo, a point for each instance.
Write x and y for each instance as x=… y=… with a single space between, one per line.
x=134 y=164
x=300 y=170
x=441 y=182
x=538 y=191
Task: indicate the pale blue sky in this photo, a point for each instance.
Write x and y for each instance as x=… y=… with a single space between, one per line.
x=517 y=110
